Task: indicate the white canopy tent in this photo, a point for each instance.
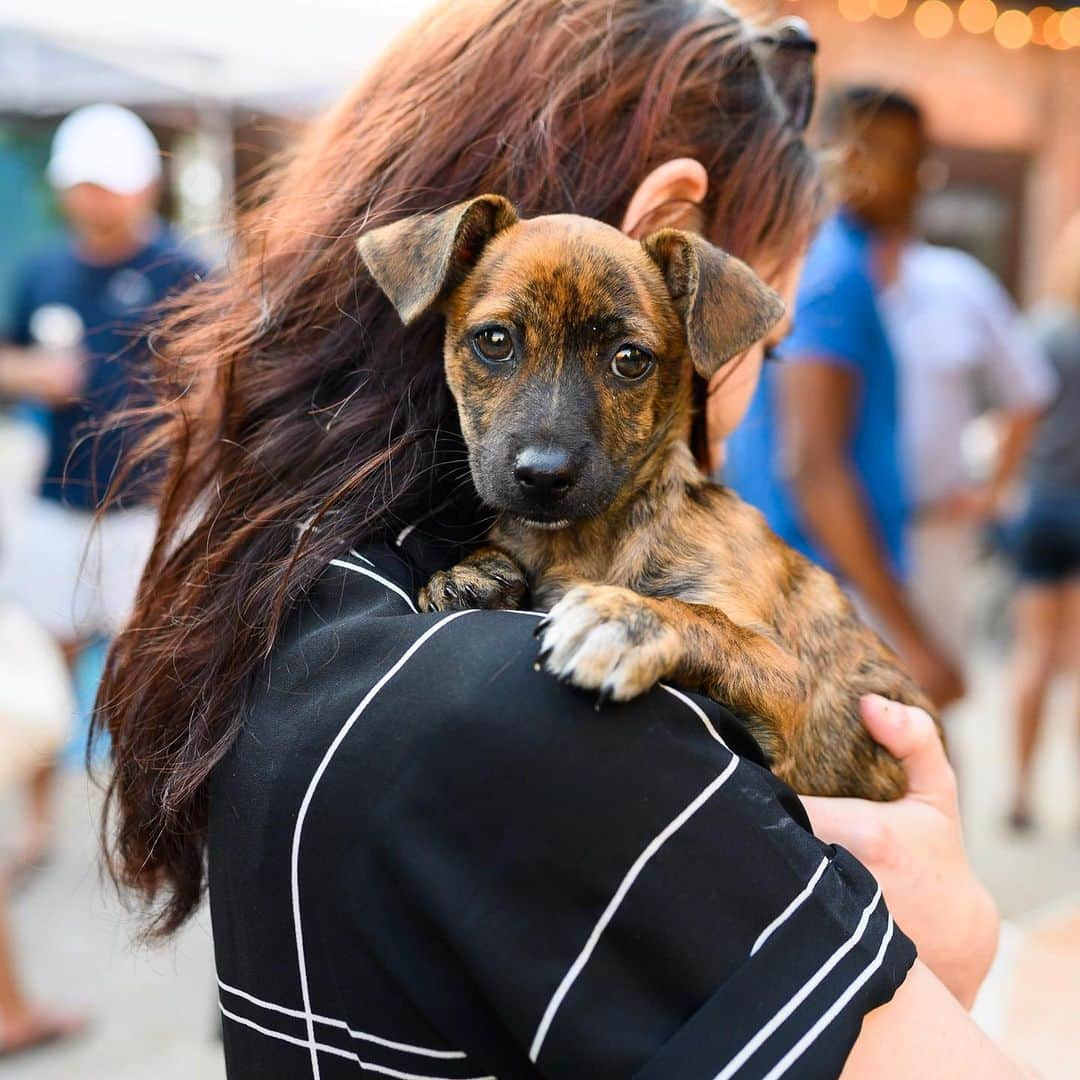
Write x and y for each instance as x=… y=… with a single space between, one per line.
x=280 y=55
x=198 y=66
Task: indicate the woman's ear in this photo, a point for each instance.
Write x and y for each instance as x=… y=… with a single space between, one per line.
x=679 y=181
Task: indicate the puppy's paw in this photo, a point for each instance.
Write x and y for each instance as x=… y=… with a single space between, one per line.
x=484 y=580
x=609 y=639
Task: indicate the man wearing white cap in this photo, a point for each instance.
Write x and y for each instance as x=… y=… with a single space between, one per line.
x=78 y=351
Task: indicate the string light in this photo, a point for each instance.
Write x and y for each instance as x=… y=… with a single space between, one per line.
x=856 y=10
x=933 y=18
x=977 y=16
x=1069 y=26
x=889 y=9
x=1052 y=31
x=1039 y=16
x=1013 y=29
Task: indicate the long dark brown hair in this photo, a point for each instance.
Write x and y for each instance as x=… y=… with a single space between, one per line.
x=295 y=412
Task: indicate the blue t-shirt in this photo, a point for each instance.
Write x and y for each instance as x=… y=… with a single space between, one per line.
x=836 y=319
x=114 y=304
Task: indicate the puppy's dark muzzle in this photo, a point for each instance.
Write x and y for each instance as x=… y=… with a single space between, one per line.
x=545 y=474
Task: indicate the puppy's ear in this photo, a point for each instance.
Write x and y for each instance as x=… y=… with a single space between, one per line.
x=418 y=260
x=724 y=305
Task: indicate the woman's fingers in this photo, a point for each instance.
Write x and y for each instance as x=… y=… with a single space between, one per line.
x=911 y=736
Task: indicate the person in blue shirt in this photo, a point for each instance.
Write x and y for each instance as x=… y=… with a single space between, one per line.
x=77 y=353
x=818 y=451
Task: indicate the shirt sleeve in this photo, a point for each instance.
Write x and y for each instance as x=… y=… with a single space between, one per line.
x=628 y=888
x=1021 y=376
x=834 y=320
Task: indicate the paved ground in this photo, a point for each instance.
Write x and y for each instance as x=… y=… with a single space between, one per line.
x=155 y=1010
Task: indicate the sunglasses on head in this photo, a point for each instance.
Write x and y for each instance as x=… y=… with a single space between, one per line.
x=787 y=50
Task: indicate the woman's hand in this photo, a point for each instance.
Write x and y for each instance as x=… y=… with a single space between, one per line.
x=915 y=848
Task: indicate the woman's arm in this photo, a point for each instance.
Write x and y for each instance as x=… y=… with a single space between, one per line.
x=915 y=849
x=924 y=1032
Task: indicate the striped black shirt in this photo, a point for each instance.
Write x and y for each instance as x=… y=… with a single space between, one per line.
x=428 y=860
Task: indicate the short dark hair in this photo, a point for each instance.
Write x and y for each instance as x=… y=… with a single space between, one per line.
x=847 y=105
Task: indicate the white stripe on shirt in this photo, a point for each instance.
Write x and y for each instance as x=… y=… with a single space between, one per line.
x=613 y=906
x=316 y=1048
x=799 y=1048
x=791 y=908
x=697 y=710
x=802 y=994
x=302 y=815
x=376 y=577
x=331 y=1022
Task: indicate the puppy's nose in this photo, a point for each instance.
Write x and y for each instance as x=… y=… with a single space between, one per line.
x=544 y=470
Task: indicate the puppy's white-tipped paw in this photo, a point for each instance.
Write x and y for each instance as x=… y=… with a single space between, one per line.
x=609 y=639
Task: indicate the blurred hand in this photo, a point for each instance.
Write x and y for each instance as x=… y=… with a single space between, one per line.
x=934 y=672
x=915 y=849
x=49 y=376
x=975 y=505
x=63 y=374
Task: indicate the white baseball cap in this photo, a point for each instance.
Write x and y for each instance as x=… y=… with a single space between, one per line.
x=104 y=145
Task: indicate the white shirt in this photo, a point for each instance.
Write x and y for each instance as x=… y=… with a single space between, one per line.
x=961 y=347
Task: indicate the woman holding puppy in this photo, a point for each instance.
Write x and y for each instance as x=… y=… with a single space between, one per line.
x=425 y=858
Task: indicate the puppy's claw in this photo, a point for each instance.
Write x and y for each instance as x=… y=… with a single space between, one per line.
x=540 y=627
x=603 y=697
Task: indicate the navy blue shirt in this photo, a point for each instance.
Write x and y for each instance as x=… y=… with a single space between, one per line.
x=114 y=303
x=836 y=321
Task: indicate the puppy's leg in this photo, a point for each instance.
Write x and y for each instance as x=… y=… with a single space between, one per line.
x=487 y=578
x=619 y=643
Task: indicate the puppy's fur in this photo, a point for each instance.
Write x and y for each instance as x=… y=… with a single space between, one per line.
x=649 y=571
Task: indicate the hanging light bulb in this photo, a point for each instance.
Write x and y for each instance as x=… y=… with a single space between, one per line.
x=977 y=16
x=1039 y=16
x=1069 y=27
x=1013 y=29
x=856 y=10
x=889 y=9
x=1052 y=31
x=933 y=18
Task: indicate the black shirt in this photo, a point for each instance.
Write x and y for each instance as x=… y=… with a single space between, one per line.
x=429 y=860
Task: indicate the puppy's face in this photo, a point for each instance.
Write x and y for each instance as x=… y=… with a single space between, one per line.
x=567 y=360
x=568 y=345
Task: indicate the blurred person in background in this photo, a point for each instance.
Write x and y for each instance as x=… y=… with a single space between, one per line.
x=36 y=706
x=961 y=347
x=1047 y=535
x=819 y=451
x=76 y=352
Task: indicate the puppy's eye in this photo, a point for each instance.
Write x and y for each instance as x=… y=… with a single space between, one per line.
x=493 y=344
x=631 y=363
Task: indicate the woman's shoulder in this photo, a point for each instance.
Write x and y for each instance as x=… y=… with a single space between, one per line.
x=417 y=768
x=359 y=632
x=455 y=696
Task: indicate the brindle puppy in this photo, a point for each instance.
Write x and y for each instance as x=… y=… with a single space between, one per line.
x=569 y=350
